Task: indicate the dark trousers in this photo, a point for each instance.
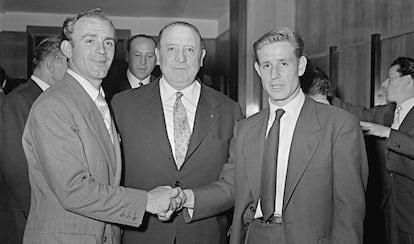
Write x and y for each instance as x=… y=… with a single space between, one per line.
x=260 y=232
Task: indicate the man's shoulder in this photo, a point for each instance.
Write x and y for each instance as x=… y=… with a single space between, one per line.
x=221 y=98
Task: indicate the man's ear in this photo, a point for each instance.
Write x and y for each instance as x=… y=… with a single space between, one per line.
x=202 y=56
x=257 y=68
x=302 y=65
x=157 y=54
x=66 y=48
x=50 y=64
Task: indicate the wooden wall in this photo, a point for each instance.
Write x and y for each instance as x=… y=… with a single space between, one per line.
x=349 y=24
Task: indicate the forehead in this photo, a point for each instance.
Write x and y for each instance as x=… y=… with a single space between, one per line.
x=142 y=42
x=393 y=71
x=180 y=33
x=276 y=51
x=93 y=26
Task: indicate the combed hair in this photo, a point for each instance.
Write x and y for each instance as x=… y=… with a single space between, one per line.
x=406 y=66
x=67 y=29
x=140 y=36
x=320 y=83
x=182 y=23
x=282 y=35
x=45 y=48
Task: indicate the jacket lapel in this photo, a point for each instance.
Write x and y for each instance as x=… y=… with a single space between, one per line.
x=253 y=146
x=154 y=118
x=95 y=122
x=304 y=143
x=205 y=119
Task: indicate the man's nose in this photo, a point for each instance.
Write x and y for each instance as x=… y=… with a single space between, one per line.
x=180 y=56
x=275 y=72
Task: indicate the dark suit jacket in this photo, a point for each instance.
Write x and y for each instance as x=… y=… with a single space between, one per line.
x=13 y=165
x=149 y=161
x=74 y=171
x=113 y=84
x=397 y=159
x=2 y=97
x=324 y=200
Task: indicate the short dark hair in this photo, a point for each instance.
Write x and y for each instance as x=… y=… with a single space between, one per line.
x=284 y=34
x=67 y=29
x=405 y=66
x=320 y=83
x=45 y=48
x=139 y=36
x=182 y=23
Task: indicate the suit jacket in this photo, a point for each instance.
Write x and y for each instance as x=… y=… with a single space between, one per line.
x=74 y=171
x=113 y=84
x=149 y=161
x=324 y=199
x=2 y=97
x=396 y=156
x=13 y=166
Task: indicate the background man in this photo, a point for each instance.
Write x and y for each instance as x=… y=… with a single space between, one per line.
x=310 y=187
x=182 y=140
x=141 y=62
x=49 y=67
x=73 y=153
x=393 y=125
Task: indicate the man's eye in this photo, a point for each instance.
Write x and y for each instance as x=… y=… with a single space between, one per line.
x=284 y=64
x=109 y=43
x=190 y=50
x=265 y=66
x=90 y=41
x=171 y=49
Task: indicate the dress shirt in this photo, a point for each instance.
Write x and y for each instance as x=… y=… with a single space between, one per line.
x=405 y=108
x=43 y=85
x=287 y=128
x=89 y=88
x=190 y=97
x=135 y=82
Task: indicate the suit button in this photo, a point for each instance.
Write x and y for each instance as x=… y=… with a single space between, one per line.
x=105 y=238
x=177 y=183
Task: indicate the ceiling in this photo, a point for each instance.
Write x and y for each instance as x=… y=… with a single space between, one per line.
x=195 y=9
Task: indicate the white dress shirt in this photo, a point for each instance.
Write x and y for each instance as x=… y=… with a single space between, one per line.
x=43 y=85
x=191 y=95
x=405 y=108
x=287 y=128
x=135 y=82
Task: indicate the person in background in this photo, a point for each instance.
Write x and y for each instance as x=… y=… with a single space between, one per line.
x=2 y=84
x=176 y=131
x=317 y=85
x=49 y=66
x=393 y=126
x=141 y=63
x=73 y=153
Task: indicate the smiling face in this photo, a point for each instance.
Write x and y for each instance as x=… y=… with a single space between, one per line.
x=279 y=70
x=92 y=49
x=180 y=55
x=141 y=57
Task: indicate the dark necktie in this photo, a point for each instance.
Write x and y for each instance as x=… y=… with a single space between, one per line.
x=269 y=168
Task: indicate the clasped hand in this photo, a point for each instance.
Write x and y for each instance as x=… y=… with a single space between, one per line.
x=164 y=201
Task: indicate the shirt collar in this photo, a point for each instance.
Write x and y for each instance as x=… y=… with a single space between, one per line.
x=89 y=88
x=292 y=108
x=43 y=85
x=190 y=93
x=407 y=104
x=133 y=80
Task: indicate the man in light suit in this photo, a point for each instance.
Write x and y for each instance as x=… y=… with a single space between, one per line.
x=147 y=122
x=393 y=127
x=73 y=152
x=141 y=62
x=49 y=67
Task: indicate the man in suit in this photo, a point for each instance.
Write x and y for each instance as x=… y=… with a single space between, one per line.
x=73 y=152
x=141 y=62
x=393 y=126
x=300 y=166
x=49 y=67
x=182 y=139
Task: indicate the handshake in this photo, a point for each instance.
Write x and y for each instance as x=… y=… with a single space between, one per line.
x=164 y=201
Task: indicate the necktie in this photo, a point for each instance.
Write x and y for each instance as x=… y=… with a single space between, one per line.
x=269 y=167
x=105 y=113
x=396 y=124
x=182 y=131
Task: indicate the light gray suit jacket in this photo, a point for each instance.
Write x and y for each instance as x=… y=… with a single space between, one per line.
x=74 y=172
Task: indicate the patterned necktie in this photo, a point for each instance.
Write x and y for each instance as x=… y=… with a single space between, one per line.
x=396 y=124
x=105 y=113
x=182 y=131
x=269 y=168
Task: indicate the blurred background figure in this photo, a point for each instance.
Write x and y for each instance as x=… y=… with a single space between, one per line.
x=2 y=84
x=317 y=84
x=49 y=66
